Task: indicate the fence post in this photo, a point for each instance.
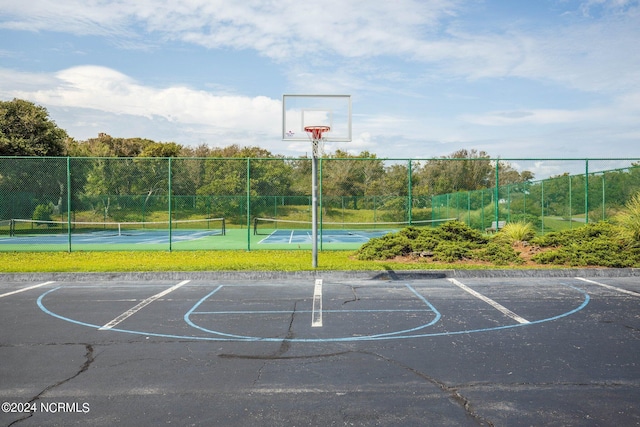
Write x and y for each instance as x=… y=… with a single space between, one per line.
x=604 y=198
x=586 y=191
x=542 y=205
x=410 y=194
x=570 y=204
x=248 y=203
x=69 y=201
x=170 y=203
x=496 y=203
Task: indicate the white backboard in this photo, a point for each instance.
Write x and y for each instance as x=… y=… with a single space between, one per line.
x=299 y=111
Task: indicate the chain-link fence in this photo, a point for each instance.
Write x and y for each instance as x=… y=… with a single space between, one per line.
x=65 y=204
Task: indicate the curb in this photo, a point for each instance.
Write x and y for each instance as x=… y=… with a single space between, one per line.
x=329 y=274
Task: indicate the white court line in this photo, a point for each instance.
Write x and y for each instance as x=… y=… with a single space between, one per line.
x=504 y=310
x=140 y=306
x=25 y=289
x=635 y=294
x=316 y=312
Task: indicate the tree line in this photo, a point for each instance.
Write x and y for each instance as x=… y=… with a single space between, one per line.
x=27 y=130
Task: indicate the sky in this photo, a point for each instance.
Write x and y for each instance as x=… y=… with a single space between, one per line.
x=513 y=78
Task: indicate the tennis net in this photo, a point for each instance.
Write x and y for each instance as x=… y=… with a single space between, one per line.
x=5 y=227
x=26 y=227
x=266 y=226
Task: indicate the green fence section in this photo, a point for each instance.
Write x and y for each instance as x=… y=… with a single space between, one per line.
x=65 y=204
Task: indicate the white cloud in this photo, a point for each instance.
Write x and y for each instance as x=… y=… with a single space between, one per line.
x=276 y=29
x=582 y=55
x=391 y=52
x=109 y=91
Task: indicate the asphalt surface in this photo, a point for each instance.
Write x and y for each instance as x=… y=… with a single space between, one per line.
x=492 y=348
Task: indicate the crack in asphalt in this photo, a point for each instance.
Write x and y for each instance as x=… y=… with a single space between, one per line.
x=284 y=347
x=452 y=391
x=89 y=358
x=355 y=296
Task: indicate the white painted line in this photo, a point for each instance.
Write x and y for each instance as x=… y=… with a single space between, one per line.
x=25 y=289
x=504 y=310
x=316 y=312
x=140 y=306
x=613 y=288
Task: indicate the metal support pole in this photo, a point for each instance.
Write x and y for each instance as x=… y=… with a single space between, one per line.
x=314 y=203
x=586 y=191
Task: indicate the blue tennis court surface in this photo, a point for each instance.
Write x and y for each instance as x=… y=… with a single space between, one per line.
x=110 y=237
x=327 y=236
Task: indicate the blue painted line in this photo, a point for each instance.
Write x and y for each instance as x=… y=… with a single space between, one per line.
x=128 y=331
x=416 y=310
x=236 y=338
x=363 y=337
x=435 y=320
x=187 y=319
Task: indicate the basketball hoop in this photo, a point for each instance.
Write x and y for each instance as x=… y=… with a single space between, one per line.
x=315 y=134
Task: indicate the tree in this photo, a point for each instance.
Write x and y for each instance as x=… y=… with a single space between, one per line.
x=26 y=130
x=225 y=178
x=346 y=175
x=465 y=170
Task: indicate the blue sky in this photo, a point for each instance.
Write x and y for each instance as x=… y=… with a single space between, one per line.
x=514 y=78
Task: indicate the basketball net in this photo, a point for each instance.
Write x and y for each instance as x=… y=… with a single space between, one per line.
x=317 y=140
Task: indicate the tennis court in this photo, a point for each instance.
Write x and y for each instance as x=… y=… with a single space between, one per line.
x=292 y=237
x=288 y=232
x=493 y=348
x=192 y=234
x=56 y=235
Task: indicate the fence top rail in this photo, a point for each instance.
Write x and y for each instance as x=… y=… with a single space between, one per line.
x=406 y=159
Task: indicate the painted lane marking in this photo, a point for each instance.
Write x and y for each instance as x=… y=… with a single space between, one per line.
x=502 y=309
x=26 y=289
x=316 y=315
x=613 y=288
x=140 y=306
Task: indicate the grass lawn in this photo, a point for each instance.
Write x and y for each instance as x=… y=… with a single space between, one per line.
x=262 y=260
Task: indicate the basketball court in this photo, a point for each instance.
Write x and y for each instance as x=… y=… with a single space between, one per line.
x=363 y=348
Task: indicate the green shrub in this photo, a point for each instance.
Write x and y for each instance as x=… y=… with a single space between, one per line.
x=43 y=212
x=602 y=252
x=629 y=220
x=599 y=244
x=447 y=251
x=499 y=253
x=518 y=231
x=385 y=247
x=459 y=231
x=580 y=234
x=450 y=242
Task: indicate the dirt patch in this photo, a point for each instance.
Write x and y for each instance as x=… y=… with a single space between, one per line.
x=527 y=251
